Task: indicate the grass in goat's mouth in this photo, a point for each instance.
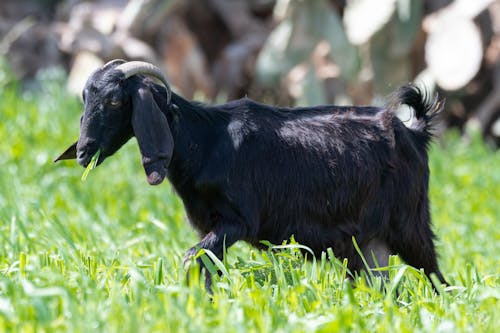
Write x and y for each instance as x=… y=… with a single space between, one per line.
x=91 y=165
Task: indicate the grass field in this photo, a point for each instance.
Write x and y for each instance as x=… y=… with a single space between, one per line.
x=105 y=255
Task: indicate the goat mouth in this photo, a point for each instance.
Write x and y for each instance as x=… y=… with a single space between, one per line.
x=84 y=157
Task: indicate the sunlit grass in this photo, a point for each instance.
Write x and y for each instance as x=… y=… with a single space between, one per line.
x=107 y=254
x=91 y=165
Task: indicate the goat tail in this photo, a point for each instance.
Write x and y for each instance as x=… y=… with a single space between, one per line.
x=425 y=106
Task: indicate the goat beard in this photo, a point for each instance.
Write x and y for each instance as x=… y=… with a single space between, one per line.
x=155 y=168
x=68 y=154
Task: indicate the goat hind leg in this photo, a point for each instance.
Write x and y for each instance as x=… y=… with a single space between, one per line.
x=417 y=250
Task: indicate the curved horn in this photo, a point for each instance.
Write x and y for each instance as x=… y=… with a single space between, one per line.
x=140 y=67
x=112 y=62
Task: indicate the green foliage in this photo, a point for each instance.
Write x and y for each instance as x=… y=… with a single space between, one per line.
x=106 y=255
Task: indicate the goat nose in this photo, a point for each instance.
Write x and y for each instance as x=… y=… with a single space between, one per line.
x=83 y=152
x=80 y=154
x=85 y=145
x=80 y=158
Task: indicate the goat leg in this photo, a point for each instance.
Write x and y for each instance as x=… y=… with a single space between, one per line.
x=377 y=253
x=418 y=250
x=223 y=236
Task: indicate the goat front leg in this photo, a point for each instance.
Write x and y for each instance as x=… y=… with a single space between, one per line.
x=223 y=235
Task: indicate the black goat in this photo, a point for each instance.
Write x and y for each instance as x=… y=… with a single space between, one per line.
x=252 y=172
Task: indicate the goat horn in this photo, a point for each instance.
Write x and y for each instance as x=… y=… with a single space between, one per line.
x=114 y=61
x=140 y=67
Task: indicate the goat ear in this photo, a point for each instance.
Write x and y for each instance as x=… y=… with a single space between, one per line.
x=69 y=154
x=153 y=135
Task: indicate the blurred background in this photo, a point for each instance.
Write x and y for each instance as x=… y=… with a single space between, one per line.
x=285 y=52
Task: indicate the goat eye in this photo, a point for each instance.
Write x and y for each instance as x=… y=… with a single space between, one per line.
x=114 y=103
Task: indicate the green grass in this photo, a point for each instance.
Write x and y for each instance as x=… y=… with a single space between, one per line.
x=107 y=254
x=91 y=166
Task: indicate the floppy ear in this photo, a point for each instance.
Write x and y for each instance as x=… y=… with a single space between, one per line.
x=153 y=135
x=69 y=154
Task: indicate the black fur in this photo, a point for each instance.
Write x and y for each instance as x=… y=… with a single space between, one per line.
x=252 y=172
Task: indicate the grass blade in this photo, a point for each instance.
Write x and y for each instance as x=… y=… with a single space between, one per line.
x=91 y=165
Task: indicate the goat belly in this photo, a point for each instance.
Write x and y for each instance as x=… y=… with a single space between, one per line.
x=315 y=235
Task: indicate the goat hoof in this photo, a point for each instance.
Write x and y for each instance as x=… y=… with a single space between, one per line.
x=189 y=254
